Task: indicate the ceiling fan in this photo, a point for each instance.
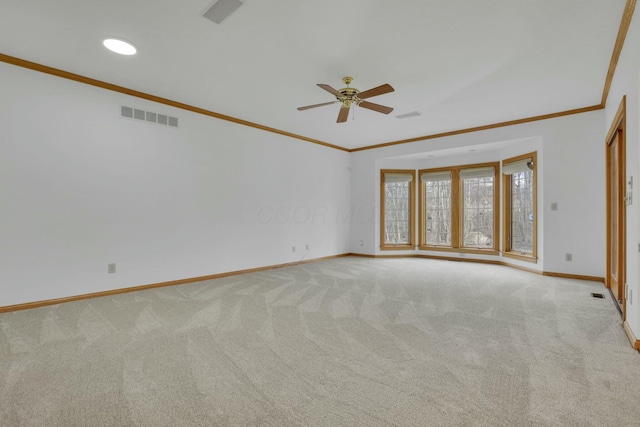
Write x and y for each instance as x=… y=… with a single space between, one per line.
x=349 y=96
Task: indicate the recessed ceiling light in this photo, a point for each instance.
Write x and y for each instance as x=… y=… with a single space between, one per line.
x=119 y=46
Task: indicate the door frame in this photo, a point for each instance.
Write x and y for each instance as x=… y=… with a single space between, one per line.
x=618 y=126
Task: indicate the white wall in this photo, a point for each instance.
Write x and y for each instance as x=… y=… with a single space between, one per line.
x=626 y=82
x=570 y=173
x=81 y=187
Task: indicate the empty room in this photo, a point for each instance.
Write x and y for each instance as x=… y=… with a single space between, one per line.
x=283 y=213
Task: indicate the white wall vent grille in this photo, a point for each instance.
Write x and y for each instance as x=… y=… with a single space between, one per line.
x=138 y=114
x=148 y=116
x=126 y=112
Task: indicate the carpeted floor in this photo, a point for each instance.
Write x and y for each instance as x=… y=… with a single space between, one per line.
x=349 y=341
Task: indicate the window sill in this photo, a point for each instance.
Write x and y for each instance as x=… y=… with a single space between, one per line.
x=397 y=247
x=521 y=257
x=489 y=251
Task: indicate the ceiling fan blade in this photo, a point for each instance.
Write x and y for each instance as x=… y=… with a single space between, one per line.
x=343 y=114
x=380 y=90
x=330 y=90
x=375 y=107
x=315 y=105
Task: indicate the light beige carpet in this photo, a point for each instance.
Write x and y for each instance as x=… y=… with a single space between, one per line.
x=350 y=341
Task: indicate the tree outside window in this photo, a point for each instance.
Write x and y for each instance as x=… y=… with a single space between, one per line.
x=397 y=204
x=457 y=208
x=520 y=207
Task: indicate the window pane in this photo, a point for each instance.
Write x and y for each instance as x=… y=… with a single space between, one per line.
x=478 y=212
x=438 y=212
x=522 y=212
x=396 y=213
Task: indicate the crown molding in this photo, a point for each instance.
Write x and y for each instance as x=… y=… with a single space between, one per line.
x=120 y=89
x=615 y=57
x=617 y=49
x=481 y=128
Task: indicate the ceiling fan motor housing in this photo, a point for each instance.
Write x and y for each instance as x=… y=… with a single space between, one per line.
x=348 y=96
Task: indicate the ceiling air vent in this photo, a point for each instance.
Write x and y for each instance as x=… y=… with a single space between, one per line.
x=148 y=116
x=221 y=9
x=407 y=115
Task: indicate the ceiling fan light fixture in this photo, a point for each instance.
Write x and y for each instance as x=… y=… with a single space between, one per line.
x=119 y=46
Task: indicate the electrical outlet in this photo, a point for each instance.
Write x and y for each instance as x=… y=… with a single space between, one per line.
x=111 y=268
x=293 y=248
x=362 y=244
x=306 y=246
x=568 y=257
x=554 y=206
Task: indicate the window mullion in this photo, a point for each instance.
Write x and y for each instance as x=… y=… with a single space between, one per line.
x=456 y=203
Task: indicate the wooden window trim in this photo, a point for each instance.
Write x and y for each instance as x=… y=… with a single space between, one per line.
x=422 y=208
x=412 y=198
x=506 y=214
x=457 y=214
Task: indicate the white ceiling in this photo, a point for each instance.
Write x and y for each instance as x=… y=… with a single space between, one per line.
x=460 y=63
